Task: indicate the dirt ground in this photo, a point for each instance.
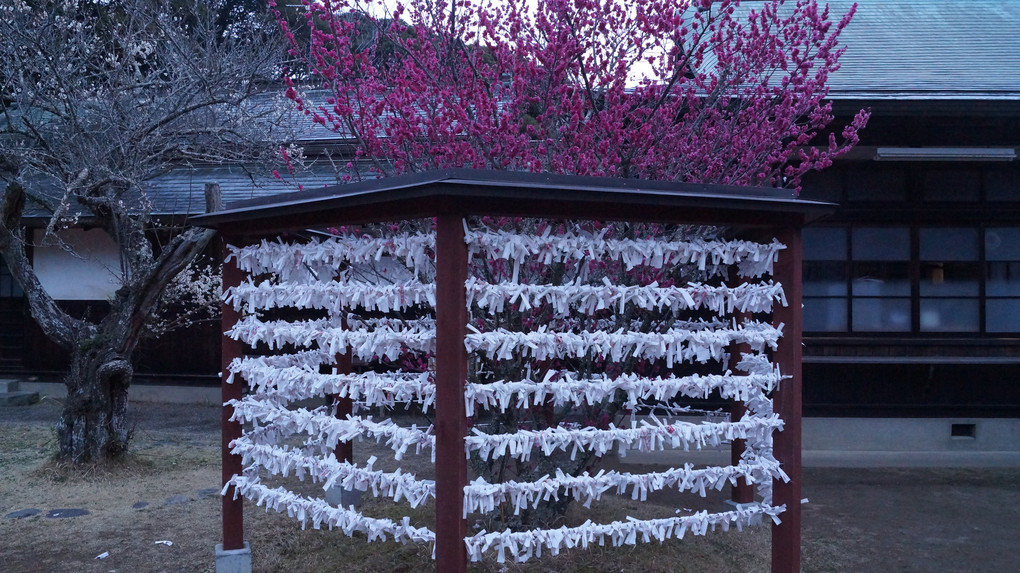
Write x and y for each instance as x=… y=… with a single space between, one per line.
x=857 y=520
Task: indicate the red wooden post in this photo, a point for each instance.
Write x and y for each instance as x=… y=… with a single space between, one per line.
x=451 y=375
x=742 y=492
x=344 y=451
x=787 y=403
x=233 y=510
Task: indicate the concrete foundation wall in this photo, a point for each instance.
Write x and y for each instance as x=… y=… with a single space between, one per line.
x=912 y=434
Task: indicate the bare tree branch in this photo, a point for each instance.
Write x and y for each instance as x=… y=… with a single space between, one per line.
x=57 y=324
x=96 y=100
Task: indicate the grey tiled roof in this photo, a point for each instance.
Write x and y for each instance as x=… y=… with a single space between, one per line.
x=929 y=49
x=182 y=190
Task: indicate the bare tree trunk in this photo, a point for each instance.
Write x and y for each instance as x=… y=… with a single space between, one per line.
x=93 y=424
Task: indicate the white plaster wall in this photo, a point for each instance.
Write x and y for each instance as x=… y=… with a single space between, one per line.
x=90 y=273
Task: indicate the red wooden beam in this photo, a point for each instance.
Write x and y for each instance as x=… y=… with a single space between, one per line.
x=344 y=451
x=233 y=510
x=787 y=403
x=742 y=492
x=451 y=376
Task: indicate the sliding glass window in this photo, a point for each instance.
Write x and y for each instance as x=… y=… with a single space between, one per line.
x=1002 y=279
x=880 y=279
x=825 y=279
x=919 y=279
x=949 y=280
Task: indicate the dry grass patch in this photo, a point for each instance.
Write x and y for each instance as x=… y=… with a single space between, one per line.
x=167 y=461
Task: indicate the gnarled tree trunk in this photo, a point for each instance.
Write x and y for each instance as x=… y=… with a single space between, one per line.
x=93 y=424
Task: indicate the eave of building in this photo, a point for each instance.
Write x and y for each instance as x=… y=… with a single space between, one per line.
x=466 y=192
x=926 y=104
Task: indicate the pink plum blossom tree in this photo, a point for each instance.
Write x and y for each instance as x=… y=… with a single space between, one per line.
x=691 y=90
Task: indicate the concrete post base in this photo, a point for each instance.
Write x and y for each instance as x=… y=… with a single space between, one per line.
x=233 y=560
x=341 y=497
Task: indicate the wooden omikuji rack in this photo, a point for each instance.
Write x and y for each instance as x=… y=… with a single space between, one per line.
x=452 y=195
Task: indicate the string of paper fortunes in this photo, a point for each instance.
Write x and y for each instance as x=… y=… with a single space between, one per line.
x=336 y=297
x=328 y=430
x=324 y=258
x=699 y=342
x=318 y=275
x=560 y=387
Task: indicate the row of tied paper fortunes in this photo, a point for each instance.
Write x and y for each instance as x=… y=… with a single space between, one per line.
x=337 y=297
x=276 y=421
x=315 y=259
x=519 y=545
x=674 y=346
x=558 y=387
x=483 y=497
